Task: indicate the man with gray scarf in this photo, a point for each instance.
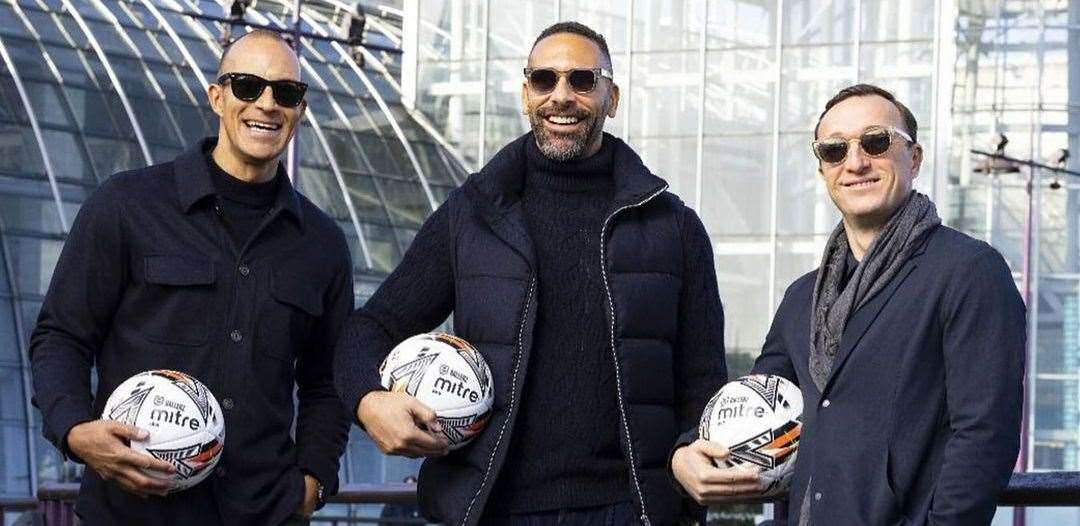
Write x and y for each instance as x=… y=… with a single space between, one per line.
x=907 y=343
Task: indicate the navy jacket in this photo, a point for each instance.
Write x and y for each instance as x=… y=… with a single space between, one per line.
x=919 y=422
x=494 y=305
x=149 y=279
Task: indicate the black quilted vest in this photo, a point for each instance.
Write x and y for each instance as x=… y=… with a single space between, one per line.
x=495 y=309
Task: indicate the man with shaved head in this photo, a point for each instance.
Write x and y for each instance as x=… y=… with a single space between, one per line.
x=590 y=291
x=213 y=265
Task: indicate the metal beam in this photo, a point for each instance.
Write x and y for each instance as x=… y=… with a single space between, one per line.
x=116 y=84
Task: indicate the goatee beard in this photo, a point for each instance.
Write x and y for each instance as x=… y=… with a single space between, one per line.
x=561 y=151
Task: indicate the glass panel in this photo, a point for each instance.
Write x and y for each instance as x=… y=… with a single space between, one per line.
x=606 y=18
x=406 y=202
x=674 y=160
x=66 y=155
x=515 y=25
x=739 y=91
x=738 y=23
x=742 y=273
x=33 y=260
x=807 y=208
x=735 y=187
x=817 y=22
x=666 y=94
x=884 y=20
x=28 y=205
x=19 y=150
x=810 y=77
x=662 y=25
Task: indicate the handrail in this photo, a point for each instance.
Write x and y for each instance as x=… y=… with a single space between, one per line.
x=1039 y=489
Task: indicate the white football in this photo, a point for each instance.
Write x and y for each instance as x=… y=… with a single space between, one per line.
x=448 y=375
x=183 y=419
x=759 y=419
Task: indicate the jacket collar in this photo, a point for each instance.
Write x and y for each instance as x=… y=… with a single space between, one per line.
x=497 y=187
x=193 y=182
x=863 y=317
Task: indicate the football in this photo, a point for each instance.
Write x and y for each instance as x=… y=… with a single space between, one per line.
x=446 y=374
x=759 y=419
x=183 y=419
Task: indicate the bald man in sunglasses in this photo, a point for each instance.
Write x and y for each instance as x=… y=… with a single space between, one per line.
x=907 y=342
x=214 y=265
x=590 y=291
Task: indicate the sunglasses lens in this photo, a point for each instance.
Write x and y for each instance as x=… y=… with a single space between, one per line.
x=289 y=94
x=582 y=80
x=875 y=142
x=247 y=88
x=543 y=80
x=831 y=150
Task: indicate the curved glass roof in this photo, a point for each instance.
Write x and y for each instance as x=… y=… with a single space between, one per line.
x=92 y=87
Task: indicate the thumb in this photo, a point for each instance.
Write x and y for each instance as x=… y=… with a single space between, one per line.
x=423 y=414
x=129 y=432
x=712 y=449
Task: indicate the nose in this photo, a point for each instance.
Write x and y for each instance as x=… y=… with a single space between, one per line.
x=266 y=99
x=562 y=93
x=856 y=161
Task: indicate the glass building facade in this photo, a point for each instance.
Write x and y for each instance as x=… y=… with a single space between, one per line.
x=719 y=97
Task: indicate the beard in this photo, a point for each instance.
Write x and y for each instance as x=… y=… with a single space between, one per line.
x=564 y=147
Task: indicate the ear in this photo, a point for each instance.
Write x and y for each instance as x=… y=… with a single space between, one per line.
x=916 y=160
x=215 y=93
x=613 y=100
x=525 y=98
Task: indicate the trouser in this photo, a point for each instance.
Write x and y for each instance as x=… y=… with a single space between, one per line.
x=620 y=514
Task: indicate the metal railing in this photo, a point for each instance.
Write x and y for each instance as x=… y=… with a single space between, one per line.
x=55 y=502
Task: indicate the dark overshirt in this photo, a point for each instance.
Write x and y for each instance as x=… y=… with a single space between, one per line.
x=148 y=279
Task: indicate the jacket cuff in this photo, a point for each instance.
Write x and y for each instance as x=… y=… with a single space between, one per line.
x=352 y=394
x=684 y=439
x=62 y=424
x=325 y=471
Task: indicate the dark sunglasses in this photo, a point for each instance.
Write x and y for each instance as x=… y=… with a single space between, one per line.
x=248 y=88
x=875 y=141
x=543 y=80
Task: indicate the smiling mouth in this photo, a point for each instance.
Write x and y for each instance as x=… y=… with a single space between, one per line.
x=563 y=120
x=262 y=126
x=862 y=183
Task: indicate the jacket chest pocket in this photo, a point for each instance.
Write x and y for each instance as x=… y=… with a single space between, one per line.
x=287 y=320
x=176 y=304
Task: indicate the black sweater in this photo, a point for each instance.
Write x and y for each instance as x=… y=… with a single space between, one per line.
x=565 y=445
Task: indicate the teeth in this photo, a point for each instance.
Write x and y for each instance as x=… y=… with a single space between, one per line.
x=262 y=125
x=559 y=119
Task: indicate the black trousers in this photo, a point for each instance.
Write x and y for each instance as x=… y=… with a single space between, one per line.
x=620 y=514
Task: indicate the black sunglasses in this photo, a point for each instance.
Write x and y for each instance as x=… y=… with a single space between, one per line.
x=248 y=87
x=875 y=141
x=544 y=80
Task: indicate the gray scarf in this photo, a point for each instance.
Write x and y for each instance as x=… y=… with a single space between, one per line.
x=832 y=307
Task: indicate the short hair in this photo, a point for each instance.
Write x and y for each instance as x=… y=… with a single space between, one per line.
x=864 y=90
x=576 y=28
x=255 y=33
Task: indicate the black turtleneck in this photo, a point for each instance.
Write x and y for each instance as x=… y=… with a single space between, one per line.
x=243 y=205
x=565 y=451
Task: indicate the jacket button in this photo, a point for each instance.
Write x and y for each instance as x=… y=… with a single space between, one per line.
x=227 y=403
x=825 y=403
x=817 y=496
x=236 y=336
x=244 y=270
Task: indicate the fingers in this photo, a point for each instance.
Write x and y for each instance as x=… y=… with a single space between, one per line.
x=424 y=416
x=149 y=463
x=128 y=432
x=711 y=449
x=139 y=483
x=730 y=476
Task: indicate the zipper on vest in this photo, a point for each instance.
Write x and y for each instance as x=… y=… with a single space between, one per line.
x=513 y=397
x=615 y=354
